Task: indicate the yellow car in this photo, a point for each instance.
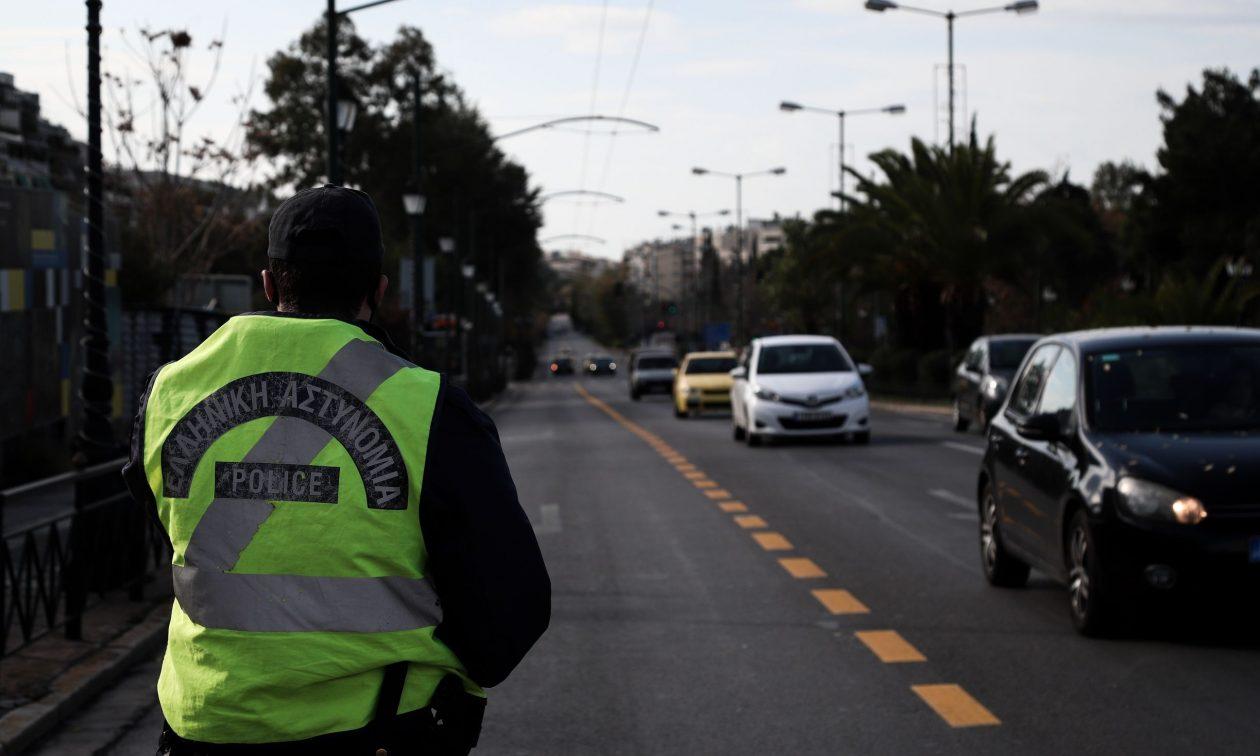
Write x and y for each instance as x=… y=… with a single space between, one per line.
x=703 y=380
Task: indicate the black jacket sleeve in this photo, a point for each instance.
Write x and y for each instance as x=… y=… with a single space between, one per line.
x=133 y=471
x=483 y=557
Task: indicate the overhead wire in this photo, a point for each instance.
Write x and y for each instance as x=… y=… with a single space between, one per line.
x=586 y=137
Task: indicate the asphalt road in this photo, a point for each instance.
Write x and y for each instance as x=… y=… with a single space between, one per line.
x=813 y=598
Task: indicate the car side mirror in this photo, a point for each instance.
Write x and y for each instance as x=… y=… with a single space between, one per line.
x=739 y=373
x=865 y=369
x=1043 y=427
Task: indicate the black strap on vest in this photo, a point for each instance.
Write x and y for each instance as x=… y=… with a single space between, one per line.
x=391 y=692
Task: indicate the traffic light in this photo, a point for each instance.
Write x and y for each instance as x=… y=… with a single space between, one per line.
x=672 y=309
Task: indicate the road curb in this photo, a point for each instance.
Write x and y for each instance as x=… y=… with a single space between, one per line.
x=913 y=408
x=22 y=727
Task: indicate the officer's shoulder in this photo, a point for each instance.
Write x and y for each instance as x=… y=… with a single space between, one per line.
x=459 y=413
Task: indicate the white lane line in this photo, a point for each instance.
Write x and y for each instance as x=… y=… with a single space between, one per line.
x=951 y=497
x=977 y=450
x=550 y=515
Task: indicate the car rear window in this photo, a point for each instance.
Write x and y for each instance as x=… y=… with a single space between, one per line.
x=656 y=363
x=802 y=358
x=702 y=365
x=1006 y=354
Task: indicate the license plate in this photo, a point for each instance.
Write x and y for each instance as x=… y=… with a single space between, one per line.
x=813 y=416
x=1253 y=549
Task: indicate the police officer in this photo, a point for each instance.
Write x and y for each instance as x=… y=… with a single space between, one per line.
x=351 y=564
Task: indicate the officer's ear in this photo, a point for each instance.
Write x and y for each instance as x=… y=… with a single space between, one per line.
x=269 y=285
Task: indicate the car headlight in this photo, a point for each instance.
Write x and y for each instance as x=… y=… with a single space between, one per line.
x=1142 y=498
x=612 y=366
x=855 y=392
x=765 y=393
x=993 y=387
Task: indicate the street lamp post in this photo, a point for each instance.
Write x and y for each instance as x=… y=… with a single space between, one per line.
x=791 y=107
x=739 y=231
x=338 y=112
x=692 y=268
x=1020 y=7
x=414 y=202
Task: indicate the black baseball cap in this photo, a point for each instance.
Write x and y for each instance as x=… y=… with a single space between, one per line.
x=328 y=224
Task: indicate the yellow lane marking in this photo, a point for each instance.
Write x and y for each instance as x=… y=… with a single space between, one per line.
x=733 y=506
x=889 y=646
x=839 y=601
x=684 y=467
x=772 y=541
x=955 y=705
x=720 y=493
x=704 y=483
x=800 y=567
x=750 y=521
x=674 y=459
x=695 y=475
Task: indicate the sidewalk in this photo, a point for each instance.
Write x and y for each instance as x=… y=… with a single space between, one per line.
x=52 y=678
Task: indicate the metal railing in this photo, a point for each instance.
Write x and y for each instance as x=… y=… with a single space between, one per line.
x=82 y=537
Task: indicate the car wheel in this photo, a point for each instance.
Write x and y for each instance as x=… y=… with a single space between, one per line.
x=1093 y=604
x=754 y=439
x=960 y=420
x=634 y=394
x=1000 y=568
x=678 y=413
x=737 y=432
x=862 y=437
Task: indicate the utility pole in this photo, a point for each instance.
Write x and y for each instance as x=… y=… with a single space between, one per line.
x=96 y=389
x=334 y=162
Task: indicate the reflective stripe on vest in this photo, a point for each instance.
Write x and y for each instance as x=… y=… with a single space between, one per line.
x=216 y=598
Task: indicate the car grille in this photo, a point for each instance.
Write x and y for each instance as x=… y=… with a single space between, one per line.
x=791 y=423
x=816 y=401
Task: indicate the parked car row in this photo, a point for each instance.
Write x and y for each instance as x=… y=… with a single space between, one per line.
x=1125 y=464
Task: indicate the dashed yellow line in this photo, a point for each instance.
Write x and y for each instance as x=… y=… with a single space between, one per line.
x=889 y=646
x=839 y=601
x=694 y=474
x=772 y=541
x=748 y=522
x=733 y=506
x=719 y=493
x=802 y=568
x=704 y=483
x=955 y=706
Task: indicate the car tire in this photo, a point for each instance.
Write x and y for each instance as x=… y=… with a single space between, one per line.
x=862 y=437
x=1000 y=568
x=737 y=432
x=754 y=439
x=635 y=394
x=1093 y=602
x=680 y=414
x=961 y=422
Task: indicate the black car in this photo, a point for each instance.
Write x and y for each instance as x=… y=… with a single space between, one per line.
x=597 y=364
x=1126 y=463
x=561 y=365
x=981 y=380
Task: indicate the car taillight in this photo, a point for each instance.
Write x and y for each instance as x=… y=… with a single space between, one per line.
x=554 y=367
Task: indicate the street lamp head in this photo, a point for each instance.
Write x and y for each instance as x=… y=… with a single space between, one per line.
x=1023 y=6
x=778 y=171
x=347 y=109
x=724 y=212
x=895 y=109
x=413 y=202
x=469 y=270
x=699 y=171
x=789 y=107
x=879 y=6
x=663 y=213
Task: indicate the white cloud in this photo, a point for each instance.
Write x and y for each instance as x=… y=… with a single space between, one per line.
x=576 y=27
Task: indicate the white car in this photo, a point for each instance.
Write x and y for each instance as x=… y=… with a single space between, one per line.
x=799 y=386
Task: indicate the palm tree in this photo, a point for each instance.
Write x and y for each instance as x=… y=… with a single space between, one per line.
x=939 y=222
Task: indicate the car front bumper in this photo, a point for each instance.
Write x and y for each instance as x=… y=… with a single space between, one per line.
x=778 y=419
x=1218 y=554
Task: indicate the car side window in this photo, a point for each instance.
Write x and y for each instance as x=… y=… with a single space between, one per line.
x=1059 y=396
x=1028 y=389
x=975 y=357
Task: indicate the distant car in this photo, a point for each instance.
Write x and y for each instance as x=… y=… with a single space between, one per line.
x=798 y=386
x=982 y=378
x=1125 y=463
x=561 y=365
x=651 y=370
x=704 y=381
x=600 y=364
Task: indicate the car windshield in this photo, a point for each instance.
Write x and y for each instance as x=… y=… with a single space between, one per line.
x=602 y=361
x=1008 y=353
x=702 y=365
x=1199 y=387
x=656 y=363
x=802 y=358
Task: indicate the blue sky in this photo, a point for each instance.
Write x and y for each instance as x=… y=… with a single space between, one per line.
x=1063 y=89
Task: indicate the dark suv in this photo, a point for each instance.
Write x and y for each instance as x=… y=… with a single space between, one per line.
x=1126 y=463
